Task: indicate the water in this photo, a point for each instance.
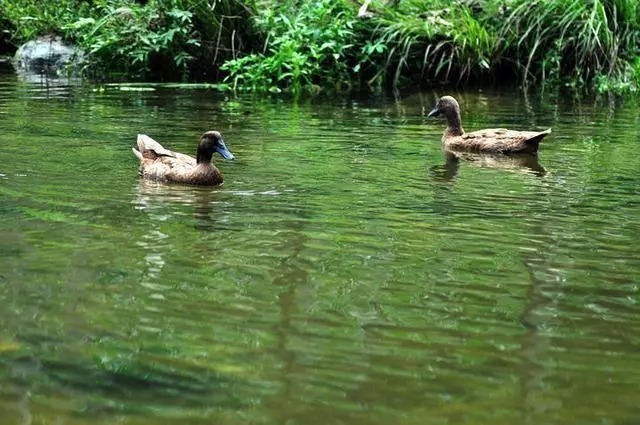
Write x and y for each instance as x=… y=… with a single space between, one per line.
x=346 y=272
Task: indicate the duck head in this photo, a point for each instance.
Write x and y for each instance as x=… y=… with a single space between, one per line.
x=211 y=142
x=448 y=107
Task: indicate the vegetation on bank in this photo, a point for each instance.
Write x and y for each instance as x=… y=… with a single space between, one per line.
x=311 y=45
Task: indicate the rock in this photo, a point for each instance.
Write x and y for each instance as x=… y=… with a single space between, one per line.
x=47 y=55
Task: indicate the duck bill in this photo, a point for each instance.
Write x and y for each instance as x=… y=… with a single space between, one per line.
x=221 y=148
x=434 y=113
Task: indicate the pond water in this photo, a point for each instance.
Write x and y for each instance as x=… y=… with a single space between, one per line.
x=346 y=272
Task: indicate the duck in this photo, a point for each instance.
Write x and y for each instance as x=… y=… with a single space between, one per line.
x=492 y=140
x=160 y=164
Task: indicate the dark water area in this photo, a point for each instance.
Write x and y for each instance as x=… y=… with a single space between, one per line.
x=346 y=272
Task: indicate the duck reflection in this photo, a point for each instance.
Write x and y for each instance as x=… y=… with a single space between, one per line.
x=162 y=203
x=156 y=199
x=523 y=163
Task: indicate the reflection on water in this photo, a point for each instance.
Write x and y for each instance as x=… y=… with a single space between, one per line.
x=41 y=86
x=528 y=164
x=152 y=197
x=348 y=271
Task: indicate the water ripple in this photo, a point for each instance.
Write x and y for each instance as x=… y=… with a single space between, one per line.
x=347 y=271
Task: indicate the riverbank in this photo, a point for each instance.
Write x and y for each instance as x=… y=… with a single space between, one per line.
x=339 y=45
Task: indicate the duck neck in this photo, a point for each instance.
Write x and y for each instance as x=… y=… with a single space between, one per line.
x=454 y=127
x=203 y=158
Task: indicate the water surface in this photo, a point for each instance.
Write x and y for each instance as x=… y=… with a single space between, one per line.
x=346 y=272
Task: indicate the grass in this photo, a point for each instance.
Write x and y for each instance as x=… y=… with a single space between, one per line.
x=442 y=45
x=312 y=45
x=307 y=46
x=575 y=40
x=153 y=40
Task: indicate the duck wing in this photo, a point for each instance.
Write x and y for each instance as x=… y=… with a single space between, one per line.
x=498 y=140
x=169 y=169
x=149 y=149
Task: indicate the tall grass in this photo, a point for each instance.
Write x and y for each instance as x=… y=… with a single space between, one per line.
x=431 y=42
x=575 y=42
x=571 y=39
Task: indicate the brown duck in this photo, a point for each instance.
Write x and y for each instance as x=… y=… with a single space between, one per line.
x=160 y=164
x=492 y=140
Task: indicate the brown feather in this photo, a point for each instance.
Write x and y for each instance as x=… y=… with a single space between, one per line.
x=160 y=164
x=491 y=140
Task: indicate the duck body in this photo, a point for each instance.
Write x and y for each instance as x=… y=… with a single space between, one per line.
x=160 y=164
x=493 y=140
x=496 y=140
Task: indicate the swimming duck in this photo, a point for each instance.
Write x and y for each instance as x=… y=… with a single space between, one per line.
x=492 y=140
x=158 y=163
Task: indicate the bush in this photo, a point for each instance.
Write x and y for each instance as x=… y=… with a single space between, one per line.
x=431 y=43
x=158 y=39
x=309 y=46
x=128 y=39
x=572 y=40
x=32 y=18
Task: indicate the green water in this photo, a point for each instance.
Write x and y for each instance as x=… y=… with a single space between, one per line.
x=346 y=272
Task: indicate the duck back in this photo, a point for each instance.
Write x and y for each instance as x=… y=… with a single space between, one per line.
x=497 y=140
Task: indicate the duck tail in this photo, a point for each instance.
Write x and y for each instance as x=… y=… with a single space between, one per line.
x=137 y=153
x=533 y=141
x=146 y=143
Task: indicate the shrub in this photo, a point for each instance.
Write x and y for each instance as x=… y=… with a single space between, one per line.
x=431 y=43
x=32 y=18
x=309 y=46
x=296 y=45
x=571 y=39
x=127 y=39
x=151 y=40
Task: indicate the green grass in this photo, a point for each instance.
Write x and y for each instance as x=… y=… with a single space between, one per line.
x=305 y=45
x=571 y=40
x=308 y=46
x=434 y=44
x=154 y=40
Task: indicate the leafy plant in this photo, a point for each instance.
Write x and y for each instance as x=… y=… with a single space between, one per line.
x=308 y=47
x=158 y=39
x=126 y=38
x=574 y=39
x=435 y=42
x=627 y=82
x=32 y=18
